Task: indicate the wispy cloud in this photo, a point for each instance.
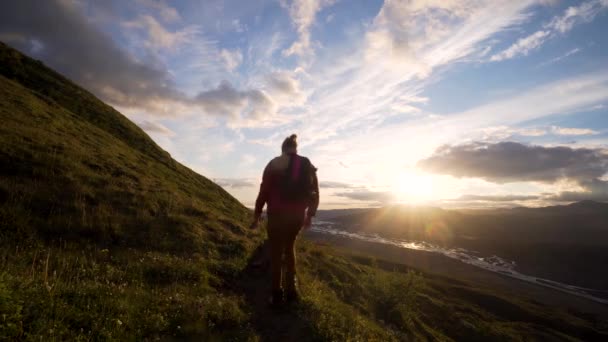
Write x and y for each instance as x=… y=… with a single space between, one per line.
x=166 y=12
x=572 y=131
x=505 y=132
x=396 y=60
x=235 y=182
x=336 y=185
x=364 y=195
x=231 y=58
x=523 y=46
x=303 y=14
x=156 y=127
x=157 y=37
x=559 y=58
x=566 y=95
x=495 y=198
x=572 y=16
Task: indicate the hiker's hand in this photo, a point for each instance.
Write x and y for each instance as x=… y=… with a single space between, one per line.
x=255 y=223
x=307 y=222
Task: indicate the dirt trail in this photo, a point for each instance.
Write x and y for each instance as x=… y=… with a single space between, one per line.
x=270 y=324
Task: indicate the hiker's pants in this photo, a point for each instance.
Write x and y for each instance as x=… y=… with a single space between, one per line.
x=282 y=232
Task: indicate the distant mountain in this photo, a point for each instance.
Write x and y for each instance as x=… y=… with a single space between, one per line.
x=583 y=207
x=565 y=222
x=589 y=205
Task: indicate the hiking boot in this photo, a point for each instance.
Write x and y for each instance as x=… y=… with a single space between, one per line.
x=276 y=299
x=292 y=296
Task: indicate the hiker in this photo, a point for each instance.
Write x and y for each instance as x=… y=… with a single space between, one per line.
x=290 y=188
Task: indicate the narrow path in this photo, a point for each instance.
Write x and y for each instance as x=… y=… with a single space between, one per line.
x=270 y=324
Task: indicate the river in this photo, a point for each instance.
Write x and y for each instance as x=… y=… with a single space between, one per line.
x=491 y=263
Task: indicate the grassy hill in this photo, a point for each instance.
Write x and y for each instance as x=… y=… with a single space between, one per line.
x=99 y=225
x=103 y=236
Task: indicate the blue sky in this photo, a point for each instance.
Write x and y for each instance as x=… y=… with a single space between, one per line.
x=470 y=103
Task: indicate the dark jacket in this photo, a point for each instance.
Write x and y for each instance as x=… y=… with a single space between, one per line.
x=270 y=191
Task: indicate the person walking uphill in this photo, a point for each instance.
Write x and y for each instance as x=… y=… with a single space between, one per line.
x=291 y=190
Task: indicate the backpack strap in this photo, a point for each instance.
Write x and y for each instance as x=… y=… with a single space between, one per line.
x=295 y=170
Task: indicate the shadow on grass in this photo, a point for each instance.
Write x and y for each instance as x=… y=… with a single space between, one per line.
x=271 y=324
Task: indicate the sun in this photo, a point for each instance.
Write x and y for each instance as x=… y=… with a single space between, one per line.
x=413 y=188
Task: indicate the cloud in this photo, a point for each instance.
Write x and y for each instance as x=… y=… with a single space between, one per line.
x=531 y=132
x=285 y=88
x=575 y=15
x=506 y=162
x=496 y=198
x=155 y=127
x=227 y=101
x=166 y=12
x=360 y=90
x=572 y=131
x=512 y=162
x=157 y=37
x=504 y=132
x=72 y=45
x=283 y=83
x=92 y=59
x=559 y=58
x=303 y=13
x=567 y=95
x=235 y=182
x=572 y=16
x=418 y=36
x=247 y=160
x=368 y=196
x=523 y=46
x=231 y=58
x=595 y=189
x=336 y=185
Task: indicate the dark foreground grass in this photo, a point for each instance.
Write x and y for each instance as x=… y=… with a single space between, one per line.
x=65 y=294
x=124 y=294
x=104 y=237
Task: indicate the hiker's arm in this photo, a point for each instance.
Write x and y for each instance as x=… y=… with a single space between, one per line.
x=314 y=198
x=263 y=194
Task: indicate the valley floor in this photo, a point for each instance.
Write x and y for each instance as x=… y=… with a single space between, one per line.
x=429 y=262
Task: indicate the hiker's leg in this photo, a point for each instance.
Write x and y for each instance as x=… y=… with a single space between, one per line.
x=276 y=249
x=290 y=253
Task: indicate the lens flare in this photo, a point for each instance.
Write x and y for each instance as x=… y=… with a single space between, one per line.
x=413 y=188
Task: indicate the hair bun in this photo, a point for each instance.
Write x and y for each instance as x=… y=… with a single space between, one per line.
x=293 y=137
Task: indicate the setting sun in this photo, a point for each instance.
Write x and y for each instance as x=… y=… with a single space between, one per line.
x=413 y=187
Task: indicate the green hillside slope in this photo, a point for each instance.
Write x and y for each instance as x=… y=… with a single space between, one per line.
x=104 y=237
x=105 y=178
x=102 y=216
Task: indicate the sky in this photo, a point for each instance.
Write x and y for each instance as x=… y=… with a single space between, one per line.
x=451 y=103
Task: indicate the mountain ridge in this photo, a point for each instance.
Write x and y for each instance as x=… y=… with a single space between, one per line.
x=52 y=86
